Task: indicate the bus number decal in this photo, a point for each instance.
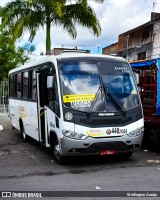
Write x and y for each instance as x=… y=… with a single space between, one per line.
x=80 y=104
x=119 y=130
x=78 y=98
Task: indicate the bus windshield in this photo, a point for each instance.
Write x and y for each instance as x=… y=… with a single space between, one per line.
x=97 y=86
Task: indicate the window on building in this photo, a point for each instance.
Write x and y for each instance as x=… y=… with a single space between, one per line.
x=142 y=56
x=145 y=34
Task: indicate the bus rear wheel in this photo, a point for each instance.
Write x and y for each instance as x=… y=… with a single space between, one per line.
x=24 y=136
x=57 y=152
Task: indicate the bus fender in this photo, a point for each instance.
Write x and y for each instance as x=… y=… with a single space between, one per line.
x=53 y=137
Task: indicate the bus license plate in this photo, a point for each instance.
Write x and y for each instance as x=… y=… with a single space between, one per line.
x=107 y=152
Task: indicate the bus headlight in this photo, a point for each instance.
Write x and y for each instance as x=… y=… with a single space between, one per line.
x=136 y=132
x=74 y=135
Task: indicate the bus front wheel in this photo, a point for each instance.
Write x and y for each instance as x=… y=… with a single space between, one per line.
x=57 y=152
x=126 y=156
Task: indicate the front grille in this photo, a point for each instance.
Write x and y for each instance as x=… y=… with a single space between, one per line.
x=97 y=121
x=117 y=146
x=97 y=147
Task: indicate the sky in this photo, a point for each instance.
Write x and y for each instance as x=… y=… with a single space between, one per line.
x=115 y=17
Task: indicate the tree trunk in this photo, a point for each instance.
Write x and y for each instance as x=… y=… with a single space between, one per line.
x=48 y=36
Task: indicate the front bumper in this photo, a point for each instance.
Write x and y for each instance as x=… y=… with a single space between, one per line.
x=95 y=145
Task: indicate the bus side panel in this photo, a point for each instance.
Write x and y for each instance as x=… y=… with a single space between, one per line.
x=27 y=112
x=13 y=106
x=52 y=124
x=31 y=120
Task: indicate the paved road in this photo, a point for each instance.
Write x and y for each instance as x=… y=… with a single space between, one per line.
x=30 y=167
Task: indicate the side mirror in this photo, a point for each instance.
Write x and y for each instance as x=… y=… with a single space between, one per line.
x=50 y=81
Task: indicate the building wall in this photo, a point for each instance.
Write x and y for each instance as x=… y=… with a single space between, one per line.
x=133 y=53
x=141 y=42
x=156 y=40
x=136 y=40
x=110 y=50
x=121 y=42
x=133 y=44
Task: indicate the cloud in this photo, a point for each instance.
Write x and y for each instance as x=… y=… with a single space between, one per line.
x=115 y=17
x=40 y=48
x=3 y=2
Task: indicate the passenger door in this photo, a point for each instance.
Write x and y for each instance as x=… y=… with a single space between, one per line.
x=53 y=111
x=41 y=104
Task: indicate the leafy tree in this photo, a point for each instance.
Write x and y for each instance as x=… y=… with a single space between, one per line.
x=32 y=14
x=10 y=57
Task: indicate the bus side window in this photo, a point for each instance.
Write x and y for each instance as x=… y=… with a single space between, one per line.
x=33 y=85
x=53 y=98
x=18 y=86
x=25 y=85
x=11 y=85
x=14 y=86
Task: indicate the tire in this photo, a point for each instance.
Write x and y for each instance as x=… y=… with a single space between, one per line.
x=24 y=136
x=57 y=152
x=126 y=156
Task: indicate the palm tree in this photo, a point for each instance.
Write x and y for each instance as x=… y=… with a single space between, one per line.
x=32 y=14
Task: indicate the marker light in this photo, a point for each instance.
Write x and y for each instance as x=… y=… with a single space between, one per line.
x=136 y=132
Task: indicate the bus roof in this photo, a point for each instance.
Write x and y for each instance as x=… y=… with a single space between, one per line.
x=37 y=60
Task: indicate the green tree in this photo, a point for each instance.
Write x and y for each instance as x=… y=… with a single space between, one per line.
x=32 y=14
x=10 y=57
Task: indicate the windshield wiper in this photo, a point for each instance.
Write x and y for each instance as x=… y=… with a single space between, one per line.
x=109 y=93
x=93 y=102
x=115 y=99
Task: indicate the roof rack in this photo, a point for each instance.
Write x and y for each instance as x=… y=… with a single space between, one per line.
x=75 y=51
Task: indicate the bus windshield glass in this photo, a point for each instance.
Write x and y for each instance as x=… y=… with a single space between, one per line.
x=97 y=86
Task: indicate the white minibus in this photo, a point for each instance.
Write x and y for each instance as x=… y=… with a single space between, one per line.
x=77 y=104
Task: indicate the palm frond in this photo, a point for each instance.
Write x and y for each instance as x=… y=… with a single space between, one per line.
x=83 y=15
x=20 y=16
